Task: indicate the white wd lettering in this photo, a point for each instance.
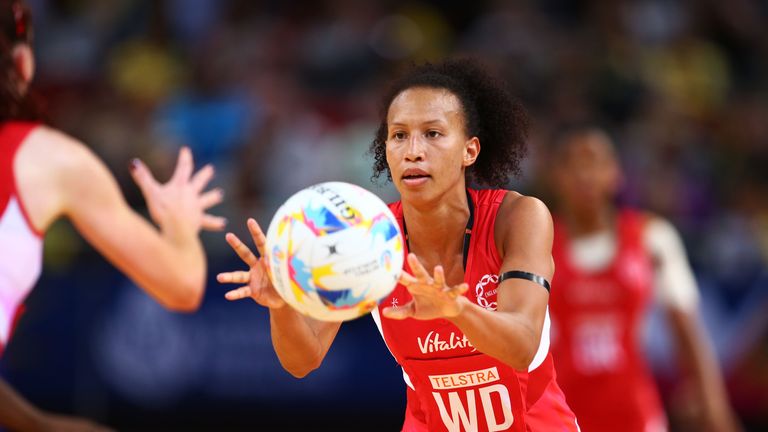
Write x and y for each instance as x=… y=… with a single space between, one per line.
x=463 y=417
x=459 y=416
x=506 y=407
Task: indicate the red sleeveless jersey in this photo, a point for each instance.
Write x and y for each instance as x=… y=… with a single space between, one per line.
x=21 y=248
x=597 y=319
x=450 y=385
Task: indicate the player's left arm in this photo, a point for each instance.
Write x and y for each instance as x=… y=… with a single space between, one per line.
x=167 y=261
x=676 y=290
x=524 y=235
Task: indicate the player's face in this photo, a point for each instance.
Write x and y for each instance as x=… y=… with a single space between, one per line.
x=427 y=144
x=588 y=175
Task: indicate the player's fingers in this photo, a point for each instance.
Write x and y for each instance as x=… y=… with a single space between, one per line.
x=457 y=290
x=213 y=223
x=143 y=177
x=259 y=239
x=238 y=294
x=418 y=269
x=400 y=312
x=421 y=289
x=211 y=198
x=202 y=177
x=415 y=286
x=239 y=277
x=406 y=279
x=241 y=250
x=463 y=287
x=439 y=279
x=184 y=166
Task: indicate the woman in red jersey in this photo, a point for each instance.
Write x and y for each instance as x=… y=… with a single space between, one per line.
x=468 y=321
x=609 y=262
x=45 y=175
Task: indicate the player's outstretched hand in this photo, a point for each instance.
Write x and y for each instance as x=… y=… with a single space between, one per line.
x=255 y=281
x=180 y=205
x=432 y=298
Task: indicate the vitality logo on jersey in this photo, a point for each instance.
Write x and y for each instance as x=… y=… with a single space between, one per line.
x=487 y=287
x=433 y=343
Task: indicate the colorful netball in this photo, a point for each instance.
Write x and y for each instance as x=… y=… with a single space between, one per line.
x=333 y=251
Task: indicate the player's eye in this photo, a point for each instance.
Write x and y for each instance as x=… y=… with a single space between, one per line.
x=433 y=134
x=399 y=135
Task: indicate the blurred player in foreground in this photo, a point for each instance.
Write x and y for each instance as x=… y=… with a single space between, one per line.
x=45 y=175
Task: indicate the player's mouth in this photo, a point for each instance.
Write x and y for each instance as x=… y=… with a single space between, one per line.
x=415 y=177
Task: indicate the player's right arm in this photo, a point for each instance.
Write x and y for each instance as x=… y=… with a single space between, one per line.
x=300 y=342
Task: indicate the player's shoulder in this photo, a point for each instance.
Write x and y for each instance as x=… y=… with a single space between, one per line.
x=516 y=206
x=55 y=140
x=522 y=216
x=649 y=217
x=658 y=230
x=648 y=220
x=58 y=152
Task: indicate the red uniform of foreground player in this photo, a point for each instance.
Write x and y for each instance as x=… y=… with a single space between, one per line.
x=468 y=343
x=609 y=262
x=45 y=175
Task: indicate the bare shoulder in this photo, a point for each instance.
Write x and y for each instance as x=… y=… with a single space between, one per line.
x=660 y=234
x=58 y=171
x=521 y=216
x=520 y=210
x=651 y=218
x=515 y=203
x=66 y=161
x=47 y=166
x=56 y=150
x=655 y=224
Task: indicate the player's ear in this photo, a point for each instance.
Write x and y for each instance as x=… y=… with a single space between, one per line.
x=24 y=62
x=471 y=151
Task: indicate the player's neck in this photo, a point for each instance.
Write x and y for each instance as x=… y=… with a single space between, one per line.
x=586 y=223
x=436 y=230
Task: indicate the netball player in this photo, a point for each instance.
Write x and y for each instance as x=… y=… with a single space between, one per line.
x=468 y=322
x=611 y=262
x=45 y=175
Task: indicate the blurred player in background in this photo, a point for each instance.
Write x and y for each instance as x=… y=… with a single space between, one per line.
x=45 y=175
x=472 y=331
x=611 y=262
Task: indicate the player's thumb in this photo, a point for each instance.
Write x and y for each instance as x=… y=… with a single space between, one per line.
x=399 y=312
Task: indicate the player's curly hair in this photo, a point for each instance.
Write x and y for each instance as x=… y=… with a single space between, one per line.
x=491 y=114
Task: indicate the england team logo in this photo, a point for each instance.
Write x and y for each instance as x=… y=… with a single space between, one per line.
x=487 y=287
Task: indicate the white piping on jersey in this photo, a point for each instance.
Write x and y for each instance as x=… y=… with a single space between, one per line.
x=538 y=359
x=541 y=354
x=377 y=319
